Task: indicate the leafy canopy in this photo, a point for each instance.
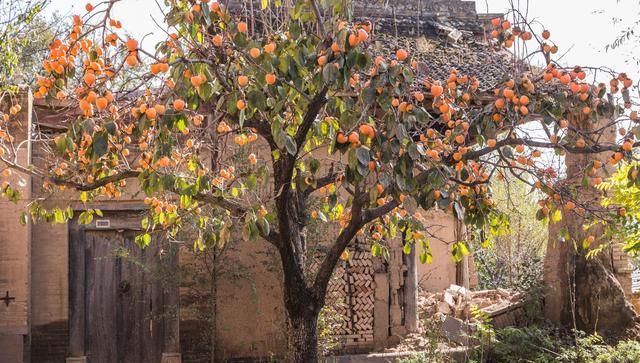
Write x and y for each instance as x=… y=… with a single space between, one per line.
x=224 y=109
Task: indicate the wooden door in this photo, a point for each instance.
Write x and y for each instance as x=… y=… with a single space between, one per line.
x=124 y=320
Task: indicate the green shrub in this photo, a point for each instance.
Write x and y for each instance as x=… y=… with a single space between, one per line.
x=592 y=349
x=426 y=358
x=530 y=344
x=545 y=345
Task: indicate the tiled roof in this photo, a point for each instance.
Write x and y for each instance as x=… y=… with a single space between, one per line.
x=440 y=34
x=436 y=57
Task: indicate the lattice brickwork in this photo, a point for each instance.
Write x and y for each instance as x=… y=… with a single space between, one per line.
x=351 y=293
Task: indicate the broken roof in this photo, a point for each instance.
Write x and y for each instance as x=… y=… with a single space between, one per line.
x=420 y=17
x=437 y=57
x=440 y=34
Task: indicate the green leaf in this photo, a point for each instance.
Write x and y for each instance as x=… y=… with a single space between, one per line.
x=206 y=91
x=375 y=250
x=83 y=197
x=143 y=240
x=263 y=225
x=406 y=249
x=459 y=250
x=99 y=147
x=426 y=257
x=362 y=153
x=290 y=145
x=23 y=218
x=410 y=205
x=329 y=73
x=181 y=124
x=85 y=217
x=257 y=100
x=59 y=216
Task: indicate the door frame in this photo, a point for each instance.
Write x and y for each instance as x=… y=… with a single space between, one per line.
x=119 y=220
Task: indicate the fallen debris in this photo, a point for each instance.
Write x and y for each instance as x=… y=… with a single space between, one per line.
x=455 y=313
x=458 y=302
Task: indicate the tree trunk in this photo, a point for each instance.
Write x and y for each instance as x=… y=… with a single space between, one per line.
x=601 y=305
x=582 y=292
x=303 y=338
x=303 y=308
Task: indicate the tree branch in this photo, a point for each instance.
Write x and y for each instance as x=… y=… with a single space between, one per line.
x=283 y=169
x=322 y=182
x=342 y=241
x=594 y=149
x=128 y=174
x=318 y=14
x=333 y=255
x=314 y=108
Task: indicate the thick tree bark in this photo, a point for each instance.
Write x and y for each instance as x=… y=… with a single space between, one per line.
x=303 y=338
x=582 y=292
x=303 y=307
x=601 y=305
x=300 y=300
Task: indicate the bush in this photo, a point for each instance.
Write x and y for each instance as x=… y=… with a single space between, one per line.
x=530 y=344
x=592 y=349
x=544 y=345
x=426 y=358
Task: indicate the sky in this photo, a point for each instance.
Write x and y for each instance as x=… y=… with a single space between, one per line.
x=582 y=27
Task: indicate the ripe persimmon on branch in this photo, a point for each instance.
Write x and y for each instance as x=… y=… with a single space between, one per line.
x=241 y=129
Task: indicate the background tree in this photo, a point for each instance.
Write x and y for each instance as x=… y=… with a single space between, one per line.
x=24 y=38
x=514 y=260
x=623 y=203
x=314 y=112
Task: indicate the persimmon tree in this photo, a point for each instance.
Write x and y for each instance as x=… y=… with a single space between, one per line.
x=204 y=120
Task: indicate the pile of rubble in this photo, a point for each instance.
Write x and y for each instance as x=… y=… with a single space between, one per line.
x=447 y=318
x=460 y=310
x=457 y=302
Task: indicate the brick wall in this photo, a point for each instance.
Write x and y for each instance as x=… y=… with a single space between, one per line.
x=49 y=293
x=49 y=342
x=14 y=248
x=622 y=267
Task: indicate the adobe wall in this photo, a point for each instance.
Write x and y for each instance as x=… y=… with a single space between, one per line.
x=437 y=276
x=250 y=318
